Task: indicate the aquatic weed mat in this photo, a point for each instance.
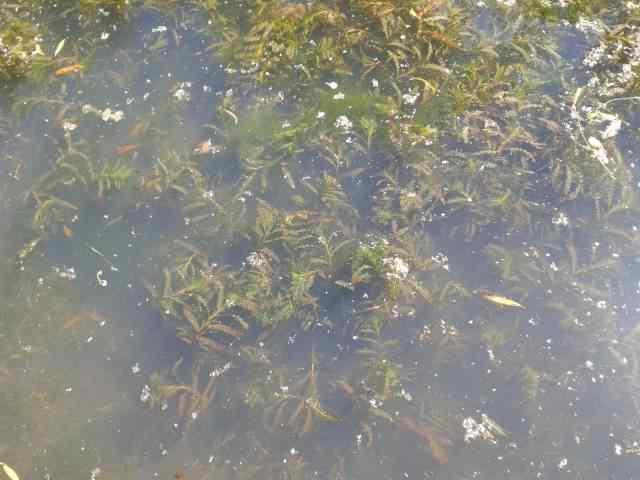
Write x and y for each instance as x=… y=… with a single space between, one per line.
x=309 y=238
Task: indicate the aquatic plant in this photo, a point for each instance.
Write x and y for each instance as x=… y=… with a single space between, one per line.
x=395 y=186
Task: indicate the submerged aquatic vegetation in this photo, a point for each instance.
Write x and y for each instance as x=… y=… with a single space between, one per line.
x=298 y=407
x=18 y=41
x=407 y=189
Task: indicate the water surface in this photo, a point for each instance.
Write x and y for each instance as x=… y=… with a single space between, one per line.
x=368 y=239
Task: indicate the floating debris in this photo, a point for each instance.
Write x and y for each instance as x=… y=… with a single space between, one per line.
x=126 y=149
x=9 y=471
x=68 y=70
x=107 y=115
x=499 y=299
x=101 y=281
x=486 y=429
x=59 y=47
x=343 y=123
x=68 y=273
x=397 y=268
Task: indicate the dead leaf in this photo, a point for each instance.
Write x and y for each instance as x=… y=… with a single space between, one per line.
x=68 y=70
x=59 y=47
x=10 y=472
x=500 y=300
x=127 y=148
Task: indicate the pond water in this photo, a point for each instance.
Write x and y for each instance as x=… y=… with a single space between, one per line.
x=381 y=239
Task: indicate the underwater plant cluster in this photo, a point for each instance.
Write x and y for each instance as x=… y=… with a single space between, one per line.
x=382 y=238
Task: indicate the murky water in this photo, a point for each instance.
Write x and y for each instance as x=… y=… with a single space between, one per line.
x=370 y=239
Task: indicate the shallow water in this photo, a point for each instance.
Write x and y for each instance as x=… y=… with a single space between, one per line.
x=382 y=240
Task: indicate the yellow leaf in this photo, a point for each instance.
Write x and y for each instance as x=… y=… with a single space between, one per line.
x=68 y=70
x=59 y=47
x=29 y=248
x=500 y=300
x=10 y=472
x=325 y=416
